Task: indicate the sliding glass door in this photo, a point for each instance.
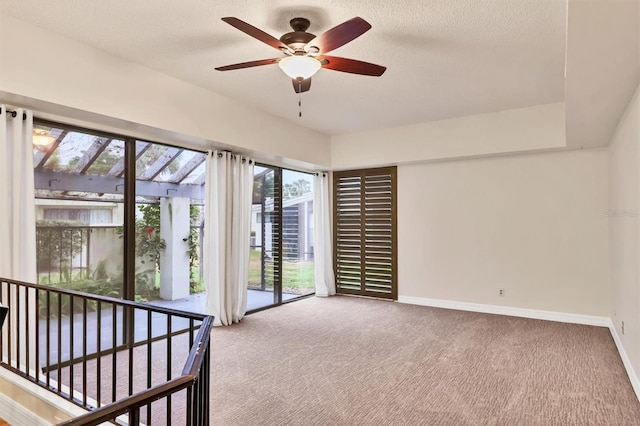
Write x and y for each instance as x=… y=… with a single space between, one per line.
x=281 y=258
x=265 y=261
x=168 y=226
x=297 y=234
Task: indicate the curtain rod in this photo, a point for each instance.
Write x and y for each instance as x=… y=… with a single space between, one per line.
x=244 y=160
x=14 y=113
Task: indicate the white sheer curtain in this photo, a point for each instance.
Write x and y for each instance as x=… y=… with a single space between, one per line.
x=18 y=231
x=323 y=273
x=227 y=222
x=17 y=205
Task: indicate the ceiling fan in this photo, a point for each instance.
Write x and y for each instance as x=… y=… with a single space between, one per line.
x=305 y=53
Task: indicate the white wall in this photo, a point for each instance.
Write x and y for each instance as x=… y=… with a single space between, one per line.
x=56 y=75
x=504 y=132
x=624 y=203
x=602 y=67
x=531 y=224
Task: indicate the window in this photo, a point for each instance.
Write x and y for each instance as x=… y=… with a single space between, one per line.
x=83 y=195
x=95 y=191
x=365 y=247
x=86 y=216
x=79 y=210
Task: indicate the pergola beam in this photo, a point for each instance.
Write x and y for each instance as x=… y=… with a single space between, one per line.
x=187 y=168
x=200 y=180
x=161 y=163
x=64 y=181
x=42 y=156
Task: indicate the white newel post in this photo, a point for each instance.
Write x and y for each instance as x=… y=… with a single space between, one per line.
x=174 y=259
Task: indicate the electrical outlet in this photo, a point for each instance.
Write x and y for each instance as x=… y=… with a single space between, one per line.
x=501 y=292
x=622 y=327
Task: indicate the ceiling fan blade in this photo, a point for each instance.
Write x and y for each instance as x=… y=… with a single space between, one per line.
x=249 y=64
x=340 y=35
x=256 y=33
x=301 y=86
x=351 y=66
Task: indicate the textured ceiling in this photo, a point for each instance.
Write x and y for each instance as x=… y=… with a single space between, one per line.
x=445 y=58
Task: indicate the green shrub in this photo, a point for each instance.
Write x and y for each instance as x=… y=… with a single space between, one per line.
x=98 y=283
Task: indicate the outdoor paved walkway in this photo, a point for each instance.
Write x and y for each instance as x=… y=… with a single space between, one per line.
x=194 y=304
x=197 y=302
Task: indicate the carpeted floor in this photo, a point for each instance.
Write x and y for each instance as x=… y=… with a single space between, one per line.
x=351 y=361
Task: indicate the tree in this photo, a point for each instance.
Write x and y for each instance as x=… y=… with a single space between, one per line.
x=303 y=186
x=194 y=243
x=150 y=156
x=288 y=191
x=296 y=189
x=148 y=248
x=101 y=165
x=148 y=241
x=257 y=188
x=53 y=163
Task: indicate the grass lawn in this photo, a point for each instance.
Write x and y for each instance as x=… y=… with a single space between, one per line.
x=297 y=276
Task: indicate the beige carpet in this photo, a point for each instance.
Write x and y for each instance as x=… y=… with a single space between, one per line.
x=350 y=361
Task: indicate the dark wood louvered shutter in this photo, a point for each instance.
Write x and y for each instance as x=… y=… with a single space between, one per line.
x=365 y=247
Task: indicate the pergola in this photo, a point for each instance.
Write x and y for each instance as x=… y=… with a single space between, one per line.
x=186 y=180
x=85 y=166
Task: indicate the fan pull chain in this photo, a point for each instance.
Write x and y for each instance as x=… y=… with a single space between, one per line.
x=300 y=99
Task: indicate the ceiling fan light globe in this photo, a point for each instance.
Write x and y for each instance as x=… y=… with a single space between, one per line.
x=300 y=66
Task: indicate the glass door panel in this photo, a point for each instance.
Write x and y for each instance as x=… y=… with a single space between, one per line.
x=264 y=256
x=297 y=234
x=169 y=201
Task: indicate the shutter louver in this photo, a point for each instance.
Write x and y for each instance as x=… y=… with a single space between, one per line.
x=365 y=232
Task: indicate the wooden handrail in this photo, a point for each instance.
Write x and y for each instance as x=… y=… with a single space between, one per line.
x=115 y=409
x=194 y=360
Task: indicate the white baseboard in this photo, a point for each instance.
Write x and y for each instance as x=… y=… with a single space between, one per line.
x=633 y=377
x=536 y=314
x=509 y=311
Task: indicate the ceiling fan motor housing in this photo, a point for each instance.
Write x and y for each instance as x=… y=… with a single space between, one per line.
x=299 y=37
